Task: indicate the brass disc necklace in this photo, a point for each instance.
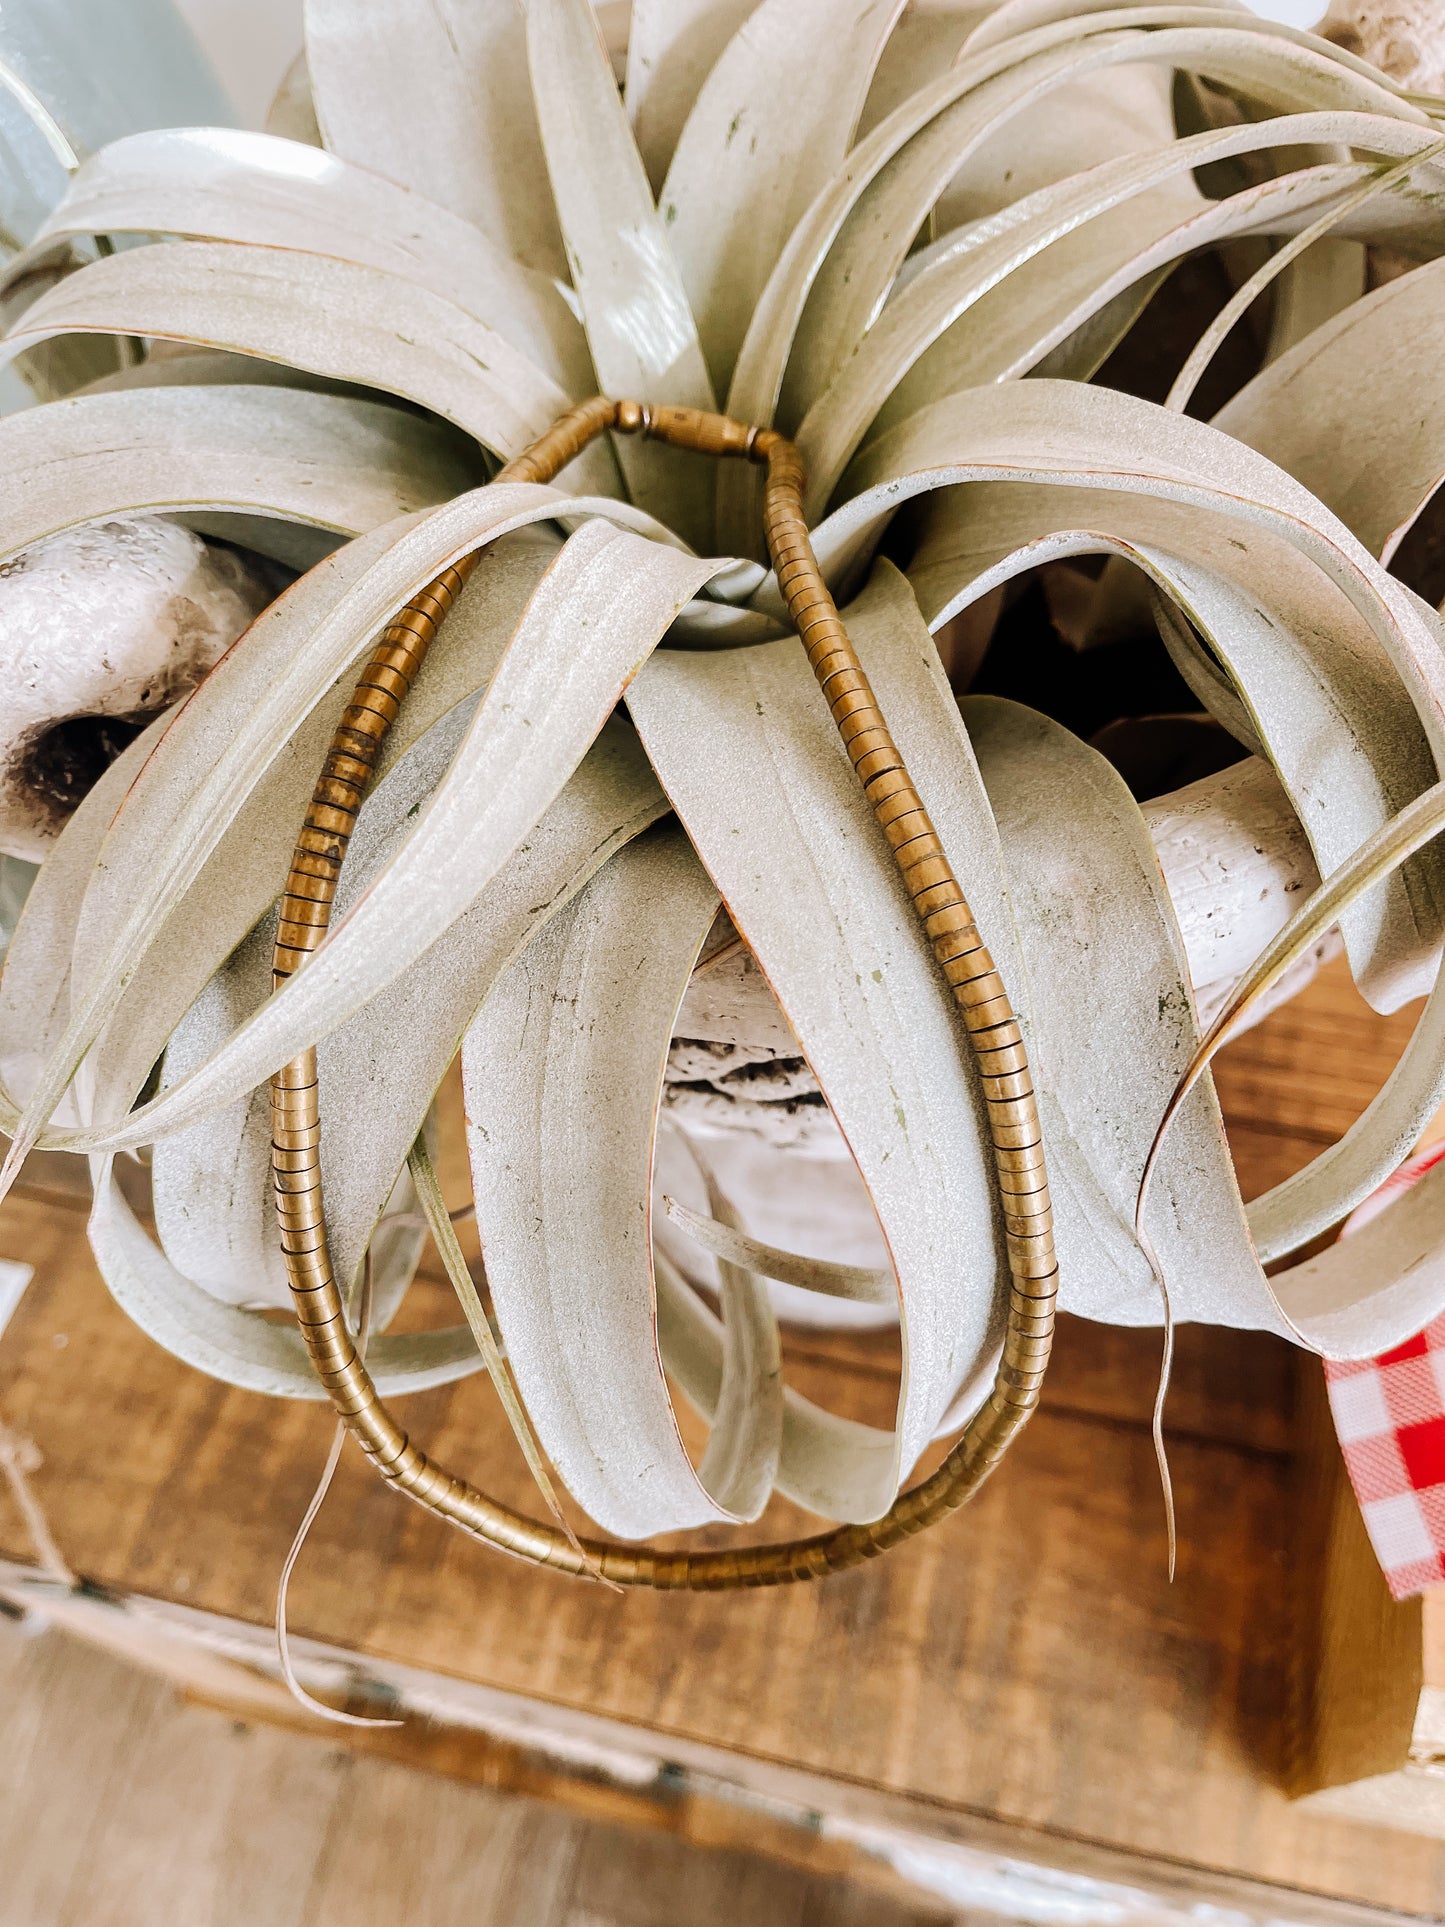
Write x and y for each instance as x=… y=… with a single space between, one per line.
x=947 y=922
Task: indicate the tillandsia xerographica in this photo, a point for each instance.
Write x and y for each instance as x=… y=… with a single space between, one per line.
x=988 y=271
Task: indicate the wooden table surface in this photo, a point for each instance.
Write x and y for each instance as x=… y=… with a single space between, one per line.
x=1024 y=1669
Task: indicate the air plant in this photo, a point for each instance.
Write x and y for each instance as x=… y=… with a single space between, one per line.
x=614 y=853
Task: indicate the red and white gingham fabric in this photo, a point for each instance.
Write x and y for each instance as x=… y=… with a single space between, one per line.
x=1389 y=1413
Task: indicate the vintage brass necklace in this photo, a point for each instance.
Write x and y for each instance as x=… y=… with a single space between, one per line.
x=947 y=922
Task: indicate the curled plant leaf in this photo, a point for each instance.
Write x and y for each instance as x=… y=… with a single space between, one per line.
x=219 y=184
x=435 y=97
x=789 y=1267
x=333 y=463
x=330 y=317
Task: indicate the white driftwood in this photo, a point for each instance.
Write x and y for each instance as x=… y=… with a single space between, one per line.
x=116 y=619
x=1238 y=864
x=1404 y=38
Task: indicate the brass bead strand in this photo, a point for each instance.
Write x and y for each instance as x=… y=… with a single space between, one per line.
x=943 y=911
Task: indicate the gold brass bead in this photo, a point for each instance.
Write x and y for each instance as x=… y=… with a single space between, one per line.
x=1029 y=1158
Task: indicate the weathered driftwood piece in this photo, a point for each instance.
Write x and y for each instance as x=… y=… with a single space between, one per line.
x=1403 y=38
x=102 y=628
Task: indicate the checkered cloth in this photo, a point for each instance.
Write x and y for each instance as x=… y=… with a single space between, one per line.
x=1389 y=1413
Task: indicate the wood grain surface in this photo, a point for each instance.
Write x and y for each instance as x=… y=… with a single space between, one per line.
x=122 y=1807
x=1027 y=1663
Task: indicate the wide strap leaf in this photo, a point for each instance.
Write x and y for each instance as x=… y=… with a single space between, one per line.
x=744 y=1448
x=1367 y=379
x=288 y=662
x=331 y=317
x=834 y=1466
x=1283 y=663
x=954 y=146
x=553 y=689
x=383 y=1065
x=960 y=274
x=1372 y=1291
x=240 y=1347
x=1071 y=434
x=1112 y=263
x=779 y=819
x=1113 y=1030
x=672 y=47
x=326 y=461
x=219 y=184
x=771 y=333
x=434 y=94
x=634 y=305
x=772 y=123
x=891 y=180
x=244 y=875
x=563 y=1074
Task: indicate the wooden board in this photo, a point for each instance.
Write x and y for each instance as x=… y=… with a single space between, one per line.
x=1023 y=1673
x=121 y=1806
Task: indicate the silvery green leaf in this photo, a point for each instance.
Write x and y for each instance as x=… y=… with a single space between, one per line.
x=246 y=871
x=214 y=184
x=562 y=1070
x=823 y=1275
x=1327 y=279
x=780 y=820
x=772 y=124
x=331 y=317
x=843 y=255
x=1113 y=1028
x=292 y=113
x=1114 y=257
x=966 y=153
x=528 y=735
x=1368 y=1292
x=925 y=42
x=245 y=1348
x=1377 y=1288
x=1123 y=110
x=380 y=1070
x=833 y=1466
x=960 y=274
x=1281 y=661
x=434 y=94
x=672 y=47
x=245 y=714
x=875 y=204
x=1367 y=381
x=741 y=1461
x=634 y=305
x=1068 y=434
x=16 y=878
x=326 y=461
